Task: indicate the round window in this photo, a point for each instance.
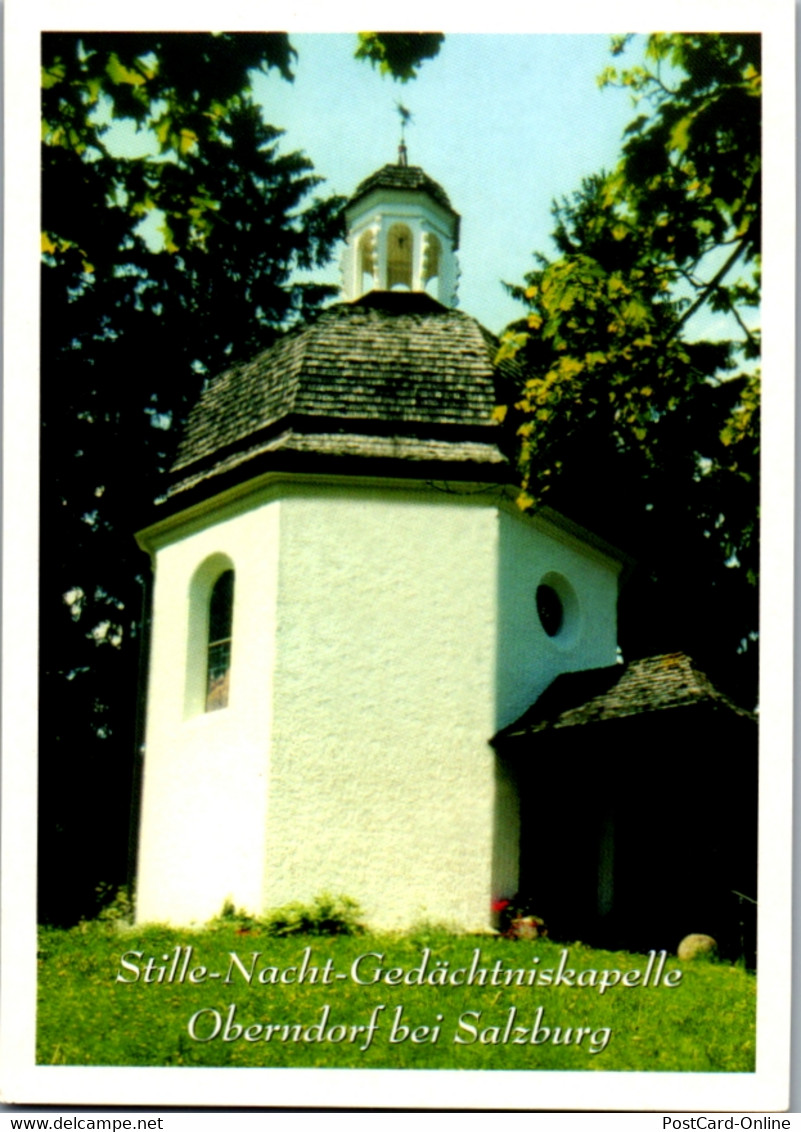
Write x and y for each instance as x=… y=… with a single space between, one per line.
x=550 y=610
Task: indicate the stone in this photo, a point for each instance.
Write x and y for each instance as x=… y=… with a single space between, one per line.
x=526 y=927
x=697 y=946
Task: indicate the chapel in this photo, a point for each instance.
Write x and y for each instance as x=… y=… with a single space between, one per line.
x=351 y=621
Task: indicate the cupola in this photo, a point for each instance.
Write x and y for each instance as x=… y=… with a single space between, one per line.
x=402 y=235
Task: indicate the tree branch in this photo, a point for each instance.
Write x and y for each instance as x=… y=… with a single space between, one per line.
x=711 y=286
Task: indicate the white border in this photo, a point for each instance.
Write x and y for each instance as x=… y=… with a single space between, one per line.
x=22 y=1081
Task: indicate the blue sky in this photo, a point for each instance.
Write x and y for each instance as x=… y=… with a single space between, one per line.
x=505 y=123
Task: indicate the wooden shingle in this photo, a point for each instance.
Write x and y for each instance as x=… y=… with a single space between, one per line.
x=393 y=375
x=652 y=684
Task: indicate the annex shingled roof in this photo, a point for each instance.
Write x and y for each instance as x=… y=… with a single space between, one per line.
x=395 y=368
x=652 y=684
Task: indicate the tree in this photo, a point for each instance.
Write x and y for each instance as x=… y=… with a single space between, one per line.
x=628 y=421
x=156 y=270
x=399 y=54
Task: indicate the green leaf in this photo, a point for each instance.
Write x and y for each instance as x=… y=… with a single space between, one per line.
x=53 y=75
x=680 y=134
x=187 y=141
x=167 y=234
x=511 y=342
x=162 y=130
x=122 y=75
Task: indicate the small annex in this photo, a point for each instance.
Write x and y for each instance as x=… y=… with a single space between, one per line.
x=661 y=769
x=348 y=606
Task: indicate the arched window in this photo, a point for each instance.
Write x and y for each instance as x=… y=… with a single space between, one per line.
x=366 y=262
x=399 y=257
x=221 y=616
x=431 y=263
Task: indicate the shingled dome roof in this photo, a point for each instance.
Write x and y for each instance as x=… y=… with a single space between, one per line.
x=394 y=383
x=405 y=178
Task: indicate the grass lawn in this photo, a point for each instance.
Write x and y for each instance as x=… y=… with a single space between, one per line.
x=223 y=996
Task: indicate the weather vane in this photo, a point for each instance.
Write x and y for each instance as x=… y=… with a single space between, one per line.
x=405 y=120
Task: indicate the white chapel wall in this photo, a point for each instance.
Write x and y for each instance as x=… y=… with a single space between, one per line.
x=381 y=636
x=382 y=784
x=204 y=803
x=532 y=552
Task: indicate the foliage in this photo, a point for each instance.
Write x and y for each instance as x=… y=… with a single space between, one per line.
x=116 y=905
x=157 y=269
x=695 y=159
x=84 y=1016
x=325 y=916
x=629 y=421
x=399 y=54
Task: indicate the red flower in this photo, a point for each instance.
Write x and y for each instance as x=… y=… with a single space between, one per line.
x=499 y=905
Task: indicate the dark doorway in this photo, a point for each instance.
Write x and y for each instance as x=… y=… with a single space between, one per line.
x=638 y=831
